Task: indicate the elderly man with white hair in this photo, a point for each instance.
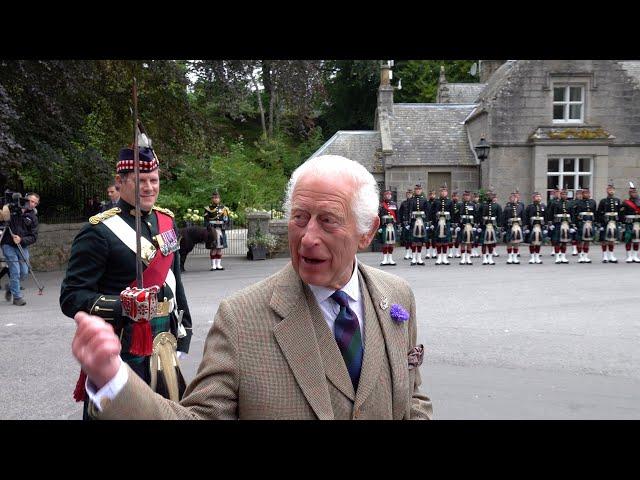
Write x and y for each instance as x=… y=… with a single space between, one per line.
x=326 y=337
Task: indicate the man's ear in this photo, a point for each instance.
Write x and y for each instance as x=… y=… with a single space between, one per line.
x=366 y=239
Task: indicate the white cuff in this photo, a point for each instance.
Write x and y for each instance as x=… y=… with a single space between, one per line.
x=111 y=389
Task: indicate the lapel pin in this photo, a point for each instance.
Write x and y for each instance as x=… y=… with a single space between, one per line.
x=384 y=304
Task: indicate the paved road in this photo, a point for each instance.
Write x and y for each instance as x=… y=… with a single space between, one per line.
x=529 y=341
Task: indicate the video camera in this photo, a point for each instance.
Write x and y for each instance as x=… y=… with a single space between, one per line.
x=15 y=201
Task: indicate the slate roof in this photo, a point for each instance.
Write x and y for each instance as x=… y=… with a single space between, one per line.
x=360 y=146
x=464 y=92
x=430 y=134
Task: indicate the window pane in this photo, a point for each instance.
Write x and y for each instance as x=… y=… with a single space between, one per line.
x=584 y=181
x=558 y=112
x=553 y=165
x=569 y=164
x=585 y=164
x=575 y=94
x=570 y=181
x=558 y=94
x=552 y=181
x=575 y=111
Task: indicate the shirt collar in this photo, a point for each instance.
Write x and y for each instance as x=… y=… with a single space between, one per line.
x=352 y=288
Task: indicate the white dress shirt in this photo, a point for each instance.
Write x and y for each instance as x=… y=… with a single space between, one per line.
x=330 y=308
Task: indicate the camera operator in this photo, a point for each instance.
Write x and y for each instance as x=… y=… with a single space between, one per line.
x=20 y=216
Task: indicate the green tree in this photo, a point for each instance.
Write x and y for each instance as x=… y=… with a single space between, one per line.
x=420 y=78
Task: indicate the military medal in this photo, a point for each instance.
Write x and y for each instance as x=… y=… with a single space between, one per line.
x=168 y=242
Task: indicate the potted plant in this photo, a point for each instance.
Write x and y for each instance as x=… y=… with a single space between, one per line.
x=259 y=244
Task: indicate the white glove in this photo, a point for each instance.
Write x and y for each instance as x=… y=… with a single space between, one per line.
x=408 y=227
x=545 y=232
x=572 y=230
x=602 y=229
x=431 y=227
x=379 y=230
x=527 y=232
x=552 y=227
x=457 y=229
x=180 y=354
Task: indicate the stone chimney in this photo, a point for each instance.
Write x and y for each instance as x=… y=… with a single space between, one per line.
x=487 y=68
x=385 y=91
x=443 y=89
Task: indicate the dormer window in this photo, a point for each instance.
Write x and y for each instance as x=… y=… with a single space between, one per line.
x=568 y=104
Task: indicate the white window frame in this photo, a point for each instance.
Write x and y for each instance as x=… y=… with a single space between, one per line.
x=576 y=173
x=566 y=103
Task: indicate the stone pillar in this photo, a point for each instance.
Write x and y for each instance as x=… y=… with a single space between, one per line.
x=279 y=228
x=257 y=220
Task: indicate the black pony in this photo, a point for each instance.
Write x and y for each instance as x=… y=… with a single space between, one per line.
x=189 y=237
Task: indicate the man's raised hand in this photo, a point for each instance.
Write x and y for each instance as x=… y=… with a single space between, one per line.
x=97 y=348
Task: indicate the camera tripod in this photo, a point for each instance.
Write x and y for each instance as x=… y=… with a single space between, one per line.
x=24 y=258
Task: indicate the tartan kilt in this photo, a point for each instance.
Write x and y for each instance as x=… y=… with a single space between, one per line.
x=508 y=234
x=481 y=236
x=382 y=235
x=405 y=234
x=460 y=235
x=628 y=234
x=578 y=234
x=435 y=233
x=211 y=244
x=555 y=234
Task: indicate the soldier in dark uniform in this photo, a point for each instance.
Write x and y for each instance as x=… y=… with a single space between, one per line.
x=478 y=205
x=535 y=218
x=103 y=264
x=574 y=239
x=491 y=222
x=466 y=232
x=513 y=221
x=519 y=202
x=418 y=207
x=454 y=244
x=584 y=216
x=630 y=215
x=440 y=216
x=404 y=218
x=555 y=197
x=430 y=243
x=388 y=213
x=608 y=217
x=561 y=225
x=216 y=219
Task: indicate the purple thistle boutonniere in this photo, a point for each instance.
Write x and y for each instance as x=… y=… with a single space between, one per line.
x=398 y=313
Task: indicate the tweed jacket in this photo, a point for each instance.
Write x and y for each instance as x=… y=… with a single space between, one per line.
x=271 y=355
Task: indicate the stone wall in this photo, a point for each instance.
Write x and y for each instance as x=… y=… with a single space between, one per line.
x=402 y=178
x=51 y=251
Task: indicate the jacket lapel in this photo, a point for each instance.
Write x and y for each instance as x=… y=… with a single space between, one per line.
x=395 y=338
x=374 y=349
x=334 y=366
x=297 y=338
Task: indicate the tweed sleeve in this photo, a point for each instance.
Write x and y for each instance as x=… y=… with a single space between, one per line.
x=212 y=395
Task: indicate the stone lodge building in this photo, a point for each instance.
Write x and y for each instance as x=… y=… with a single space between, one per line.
x=548 y=122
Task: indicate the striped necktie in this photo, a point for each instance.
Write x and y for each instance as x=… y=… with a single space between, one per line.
x=348 y=336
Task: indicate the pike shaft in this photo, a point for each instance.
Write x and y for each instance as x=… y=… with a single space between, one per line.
x=136 y=168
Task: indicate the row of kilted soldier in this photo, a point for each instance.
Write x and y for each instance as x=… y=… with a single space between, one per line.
x=453 y=227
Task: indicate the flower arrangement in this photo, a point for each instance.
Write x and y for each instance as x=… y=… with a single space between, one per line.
x=193 y=216
x=259 y=239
